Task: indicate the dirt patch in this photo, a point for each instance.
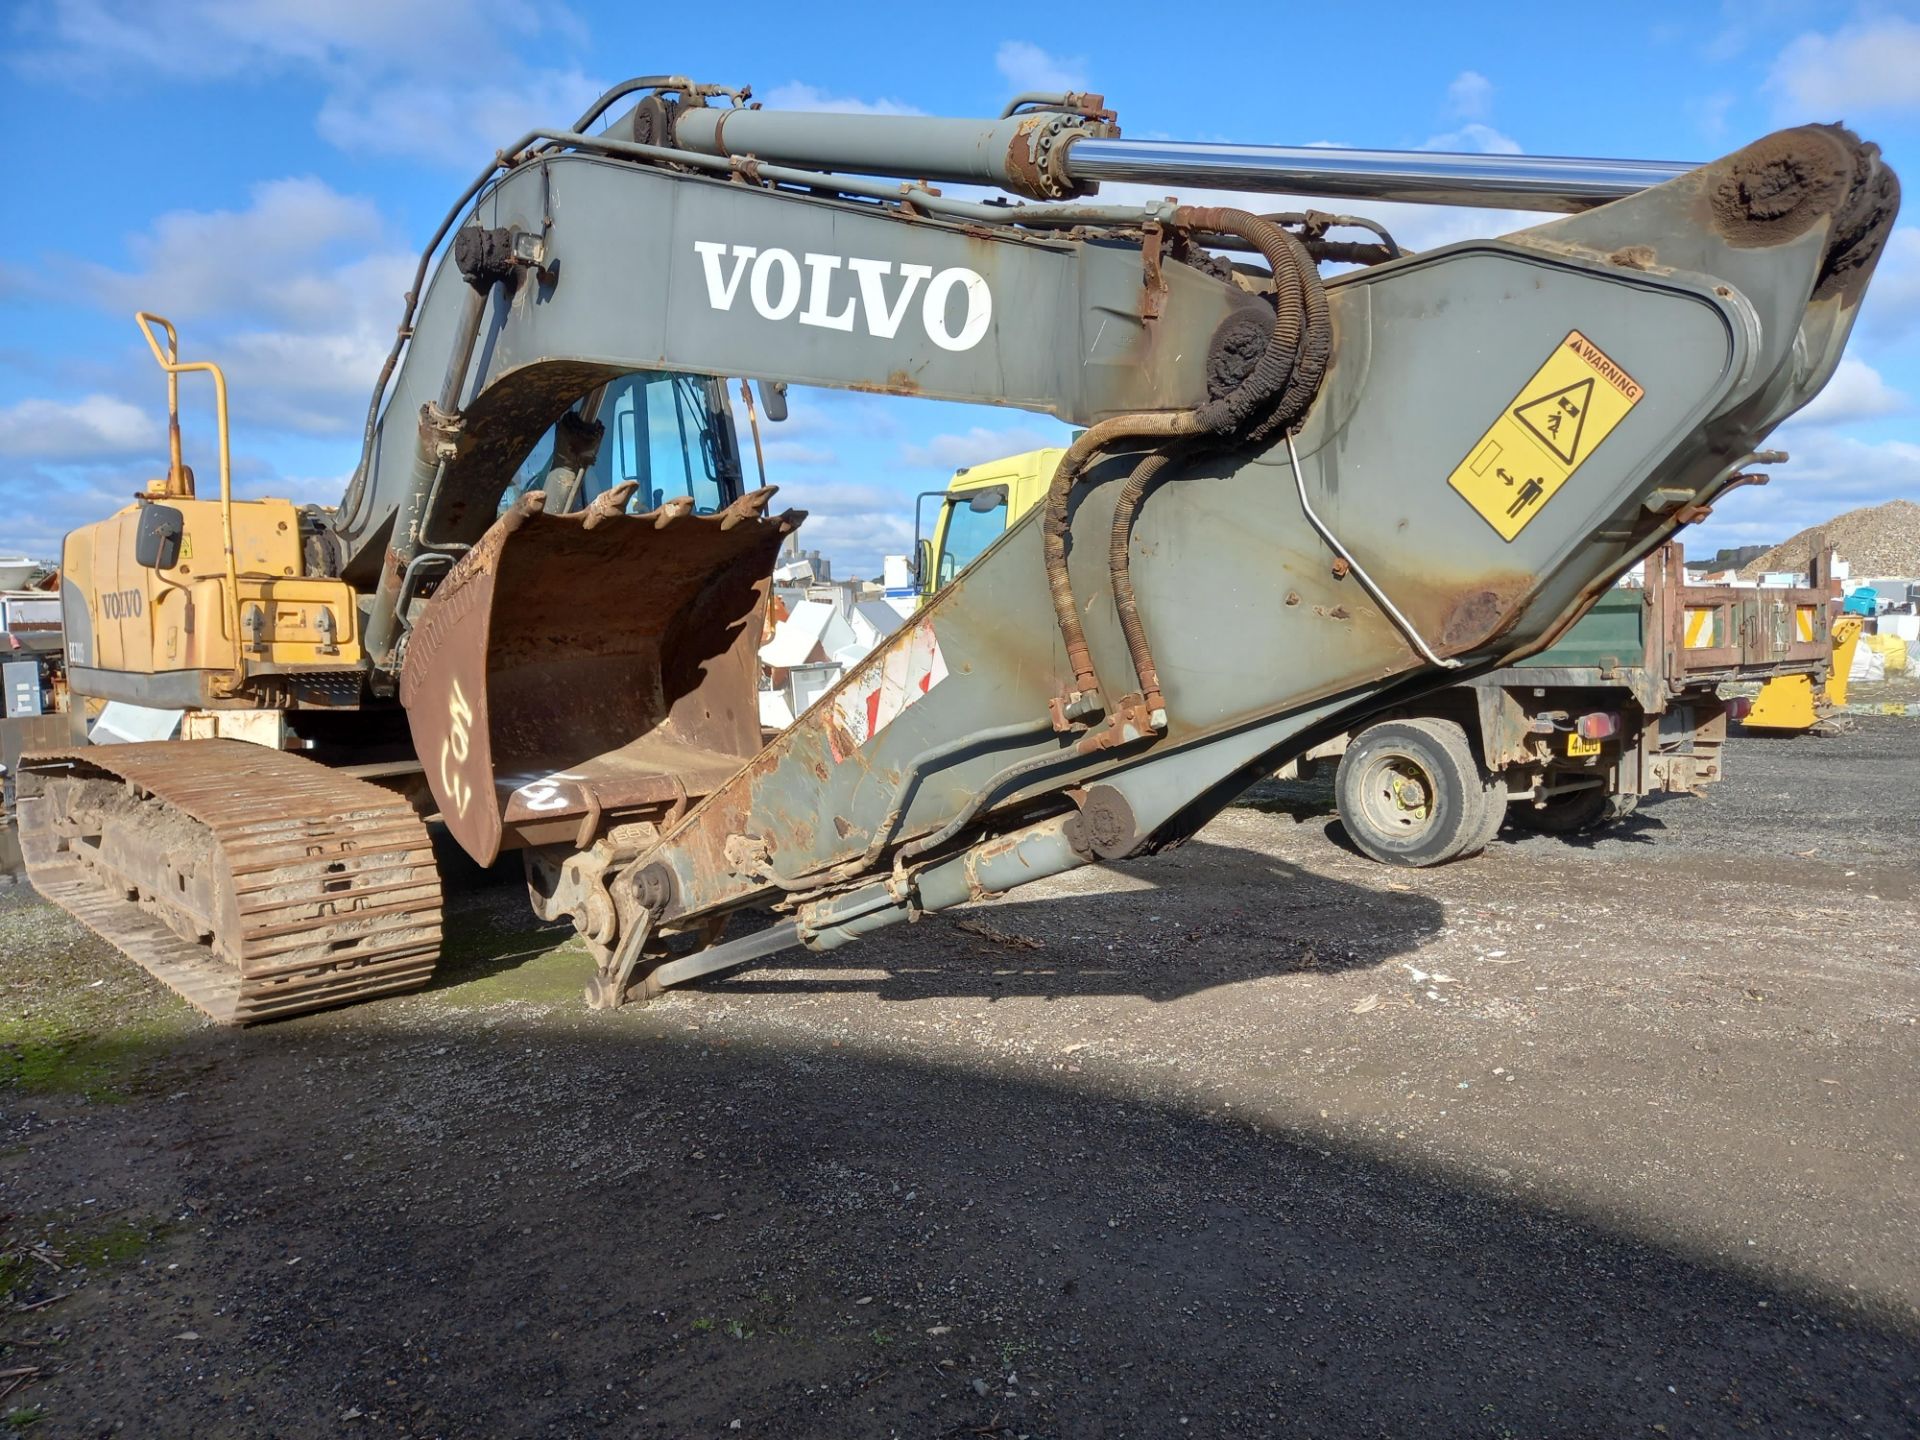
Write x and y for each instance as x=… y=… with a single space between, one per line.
x=1251 y=1138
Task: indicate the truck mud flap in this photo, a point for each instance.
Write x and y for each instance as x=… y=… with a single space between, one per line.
x=573 y=671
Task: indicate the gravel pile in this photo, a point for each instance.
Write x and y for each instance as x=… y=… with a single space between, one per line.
x=1874 y=540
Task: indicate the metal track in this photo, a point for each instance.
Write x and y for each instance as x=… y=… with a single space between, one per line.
x=255 y=883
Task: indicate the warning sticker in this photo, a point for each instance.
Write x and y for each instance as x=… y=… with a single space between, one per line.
x=909 y=668
x=1558 y=419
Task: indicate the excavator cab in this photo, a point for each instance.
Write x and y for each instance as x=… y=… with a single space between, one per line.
x=666 y=435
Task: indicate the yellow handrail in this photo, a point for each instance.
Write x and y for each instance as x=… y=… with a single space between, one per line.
x=170 y=362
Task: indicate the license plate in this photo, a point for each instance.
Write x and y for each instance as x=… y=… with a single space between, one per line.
x=1577 y=746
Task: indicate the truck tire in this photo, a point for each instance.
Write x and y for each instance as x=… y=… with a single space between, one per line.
x=1576 y=812
x=1411 y=793
x=1496 y=803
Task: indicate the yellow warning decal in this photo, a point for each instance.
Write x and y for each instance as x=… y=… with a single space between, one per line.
x=1572 y=403
x=1703 y=629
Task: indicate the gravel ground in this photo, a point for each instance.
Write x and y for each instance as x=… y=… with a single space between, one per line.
x=1254 y=1138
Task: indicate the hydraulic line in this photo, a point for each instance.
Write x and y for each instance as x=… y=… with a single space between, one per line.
x=350 y=505
x=1119 y=567
x=1367 y=582
x=1279 y=389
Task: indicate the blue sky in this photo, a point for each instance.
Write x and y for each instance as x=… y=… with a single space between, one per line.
x=264 y=172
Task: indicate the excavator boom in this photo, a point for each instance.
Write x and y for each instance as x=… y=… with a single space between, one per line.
x=1296 y=498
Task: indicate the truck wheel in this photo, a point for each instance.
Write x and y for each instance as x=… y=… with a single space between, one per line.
x=1576 y=812
x=1496 y=803
x=1411 y=793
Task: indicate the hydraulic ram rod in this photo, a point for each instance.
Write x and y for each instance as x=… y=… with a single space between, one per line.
x=1050 y=155
x=1507 y=182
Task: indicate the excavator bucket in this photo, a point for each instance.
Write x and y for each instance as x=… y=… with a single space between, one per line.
x=576 y=671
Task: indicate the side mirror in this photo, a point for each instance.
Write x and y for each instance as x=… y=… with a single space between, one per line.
x=923 y=566
x=156 y=544
x=773 y=400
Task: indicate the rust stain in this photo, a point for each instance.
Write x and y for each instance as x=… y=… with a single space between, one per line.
x=1477 y=617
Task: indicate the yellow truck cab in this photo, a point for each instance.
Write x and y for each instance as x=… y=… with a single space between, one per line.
x=975 y=509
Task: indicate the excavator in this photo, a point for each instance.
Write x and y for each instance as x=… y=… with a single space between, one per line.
x=1388 y=478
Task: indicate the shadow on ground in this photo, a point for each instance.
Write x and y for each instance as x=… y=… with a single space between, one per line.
x=614 y=1225
x=1265 y=918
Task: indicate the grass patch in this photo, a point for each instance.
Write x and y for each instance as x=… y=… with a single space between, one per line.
x=45 y=1053
x=76 y=1017
x=92 y=1249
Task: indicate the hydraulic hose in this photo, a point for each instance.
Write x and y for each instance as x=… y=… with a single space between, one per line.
x=1277 y=391
x=1120 y=568
x=1054 y=523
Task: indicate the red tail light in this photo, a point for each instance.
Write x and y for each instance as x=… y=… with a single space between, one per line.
x=1600 y=725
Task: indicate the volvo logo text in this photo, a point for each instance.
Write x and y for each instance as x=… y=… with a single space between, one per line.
x=874 y=294
x=121 y=604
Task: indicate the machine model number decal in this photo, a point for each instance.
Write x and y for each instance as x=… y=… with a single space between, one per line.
x=1572 y=403
x=910 y=666
x=122 y=605
x=546 y=794
x=875 y=294
x=454 y=749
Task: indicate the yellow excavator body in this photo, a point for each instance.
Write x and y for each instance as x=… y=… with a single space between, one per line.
x=146 y=621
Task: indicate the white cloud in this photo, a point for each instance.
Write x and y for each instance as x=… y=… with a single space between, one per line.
x=976 y=444
x=1470 y=96
x=216 y=39
x=91 y=426
x=41 y=501
x=1830 y=473
x=44 y=502
x=1856 y=392
x=1474 y=138
x=797 y=95
x=398 y=75
x=792 y=452
x=296 y=295
x=457 y=127
x=853 y=524
x=1872 y=65
x=268 y=260
x=301 y=489
x=1892 y=307
x=1025 y=66
x=1710 y=112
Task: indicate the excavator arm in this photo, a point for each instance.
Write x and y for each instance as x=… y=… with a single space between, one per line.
x=1297 y=498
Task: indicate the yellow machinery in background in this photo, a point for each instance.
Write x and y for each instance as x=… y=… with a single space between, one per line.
x=976 y=509
x=182 y=603
x=1790 y=702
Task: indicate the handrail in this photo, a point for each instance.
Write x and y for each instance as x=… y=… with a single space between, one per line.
x=176 y=367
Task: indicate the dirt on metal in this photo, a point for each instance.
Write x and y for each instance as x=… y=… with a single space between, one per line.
x=253 y=882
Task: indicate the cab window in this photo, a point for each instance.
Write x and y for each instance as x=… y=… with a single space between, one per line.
x=973 y=523
x=661 y=433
